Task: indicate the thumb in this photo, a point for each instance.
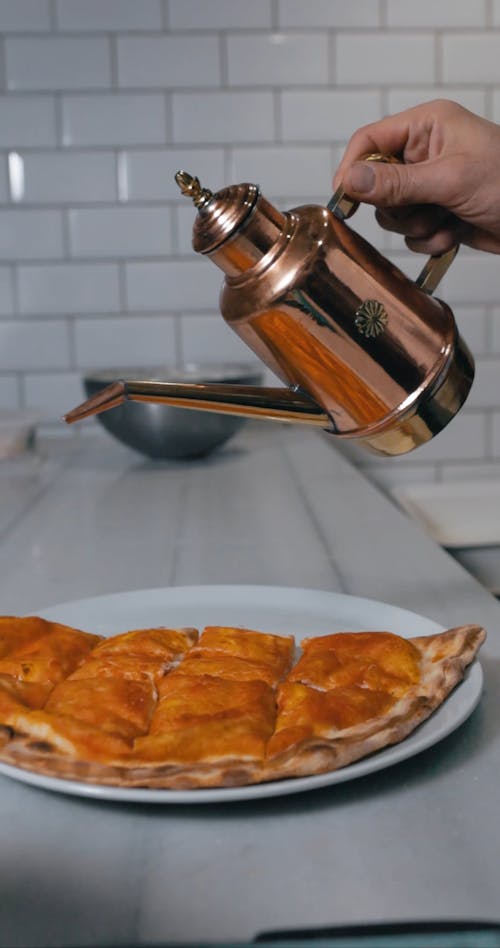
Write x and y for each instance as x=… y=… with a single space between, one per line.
x=391 y=185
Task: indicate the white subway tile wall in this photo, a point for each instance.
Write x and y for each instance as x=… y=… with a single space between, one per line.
x=6 y=292
x=9 y=391
x=59 y=177
x=119 y=232
x=66 y=62
x=66 y=289
x=333 y=14
x=103 y=15
x=436 y=14
x=163 y=62
x=24 y=16
x=27 y=121
x=123 y=341
x=101 y=101
x=114 y=119
x=29 y=235
x=296 y=59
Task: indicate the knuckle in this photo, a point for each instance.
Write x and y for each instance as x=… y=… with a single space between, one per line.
x=445 y=108
x=441 y=104
x=357 y=142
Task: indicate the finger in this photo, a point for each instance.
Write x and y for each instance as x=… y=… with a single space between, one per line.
x=440 y=242
x=395 y=185
x=387 y=136
x=445 y=240
x=396 y=213
x=458 y=233
x=419 y=223
x=390 y=136
x=481 y=240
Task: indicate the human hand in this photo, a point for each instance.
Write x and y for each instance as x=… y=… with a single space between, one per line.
x=446 y=192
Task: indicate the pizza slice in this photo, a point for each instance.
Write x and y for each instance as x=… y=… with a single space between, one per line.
x=36 y=654
x=265 y=647
x=116 y=688
x=206 y=731
x=352 y=694
x=371 y=660
x=47 y=655
x=160 y=644
x=16 y=631
x=216 y=711
x=94 y=714
x=115 y=705
x=240 y=654
x=143 y=654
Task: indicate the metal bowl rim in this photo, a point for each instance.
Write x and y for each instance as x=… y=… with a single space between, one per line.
x=182 y=372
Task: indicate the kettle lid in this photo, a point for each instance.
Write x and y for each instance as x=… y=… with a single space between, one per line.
x=219 y=214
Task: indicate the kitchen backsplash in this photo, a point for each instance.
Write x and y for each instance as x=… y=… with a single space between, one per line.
x=101 y=101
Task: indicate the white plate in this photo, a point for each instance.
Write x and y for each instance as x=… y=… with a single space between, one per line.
x=302 y=612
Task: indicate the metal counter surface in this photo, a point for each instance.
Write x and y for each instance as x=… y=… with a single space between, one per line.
x=278 y=506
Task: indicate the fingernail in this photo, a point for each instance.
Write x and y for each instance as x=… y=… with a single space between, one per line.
x=362 y=177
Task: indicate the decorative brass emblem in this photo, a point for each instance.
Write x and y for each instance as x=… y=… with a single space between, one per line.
x=370 y=319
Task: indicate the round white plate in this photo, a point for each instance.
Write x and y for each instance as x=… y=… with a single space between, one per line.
x=301 y=612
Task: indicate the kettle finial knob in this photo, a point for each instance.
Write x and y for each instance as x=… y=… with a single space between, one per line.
x=191 y=187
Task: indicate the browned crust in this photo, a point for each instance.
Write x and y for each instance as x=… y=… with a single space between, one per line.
x=444 y=659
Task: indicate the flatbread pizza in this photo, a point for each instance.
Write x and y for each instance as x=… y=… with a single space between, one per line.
x=171 y=708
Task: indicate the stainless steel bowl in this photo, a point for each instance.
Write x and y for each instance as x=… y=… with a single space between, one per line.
x=163 y=431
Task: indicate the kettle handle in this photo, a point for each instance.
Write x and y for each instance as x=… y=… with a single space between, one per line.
x=434 y=270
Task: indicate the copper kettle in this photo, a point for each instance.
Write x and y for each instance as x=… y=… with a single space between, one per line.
x=364 y=352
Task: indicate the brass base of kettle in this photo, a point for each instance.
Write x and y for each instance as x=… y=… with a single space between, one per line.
x=406 y=430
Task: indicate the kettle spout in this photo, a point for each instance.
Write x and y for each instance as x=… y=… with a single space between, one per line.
x=109 y=397
x=277 y=404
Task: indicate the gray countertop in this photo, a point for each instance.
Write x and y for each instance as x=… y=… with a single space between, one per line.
x=279 y=507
